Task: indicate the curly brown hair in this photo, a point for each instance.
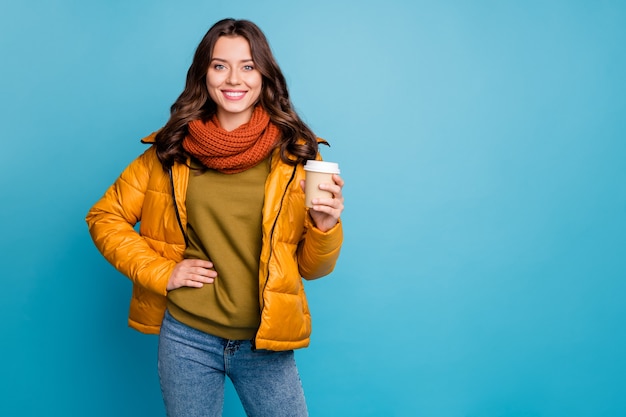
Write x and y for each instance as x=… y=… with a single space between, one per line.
x=297 y=142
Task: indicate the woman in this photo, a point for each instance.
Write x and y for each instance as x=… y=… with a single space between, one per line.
x=224 y=236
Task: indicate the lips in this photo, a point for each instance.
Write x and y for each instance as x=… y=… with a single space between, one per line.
x=233 y=95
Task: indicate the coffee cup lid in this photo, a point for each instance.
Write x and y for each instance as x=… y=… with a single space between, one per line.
x=321 y=166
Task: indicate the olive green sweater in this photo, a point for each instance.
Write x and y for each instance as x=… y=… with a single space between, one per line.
x=224 y=226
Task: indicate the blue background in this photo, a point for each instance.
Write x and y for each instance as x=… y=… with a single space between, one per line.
x=483 y=147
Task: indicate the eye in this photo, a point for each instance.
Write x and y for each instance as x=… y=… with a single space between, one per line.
x=248 y=68
x=219 y=67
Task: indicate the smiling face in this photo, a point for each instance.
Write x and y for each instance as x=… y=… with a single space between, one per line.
x=233 y=81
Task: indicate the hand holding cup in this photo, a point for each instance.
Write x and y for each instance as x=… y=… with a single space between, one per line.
x=323 y=193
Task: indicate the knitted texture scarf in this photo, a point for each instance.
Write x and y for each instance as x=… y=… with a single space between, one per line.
x=234 y=151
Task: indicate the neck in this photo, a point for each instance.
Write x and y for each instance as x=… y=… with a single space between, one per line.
x=231 y=121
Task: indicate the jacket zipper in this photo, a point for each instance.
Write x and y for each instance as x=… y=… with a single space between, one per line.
x=269 y=258
x=180 y=222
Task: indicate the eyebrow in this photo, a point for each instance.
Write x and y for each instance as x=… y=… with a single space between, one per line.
x=224 y=60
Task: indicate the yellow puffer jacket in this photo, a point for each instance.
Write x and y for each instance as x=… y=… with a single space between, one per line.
x=292 y=246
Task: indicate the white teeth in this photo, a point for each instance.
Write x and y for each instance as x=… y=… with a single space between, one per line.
x=234 y=94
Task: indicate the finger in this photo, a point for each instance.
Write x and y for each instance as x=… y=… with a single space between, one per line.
x=336 y=202
x=332 y=188
x=203 y=271
x=198 y=263
x=193 y=284
x=201 y=279
x=321 y=202
x=332 y=211
x=195 y=281
x=338 y=180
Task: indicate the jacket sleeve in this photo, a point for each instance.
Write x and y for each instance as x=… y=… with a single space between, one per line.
x=318 y=251
x=111 y=224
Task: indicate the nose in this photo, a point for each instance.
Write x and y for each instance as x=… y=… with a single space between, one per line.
x=233 y=77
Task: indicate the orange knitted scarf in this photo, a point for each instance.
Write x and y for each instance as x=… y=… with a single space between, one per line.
x=234 y=151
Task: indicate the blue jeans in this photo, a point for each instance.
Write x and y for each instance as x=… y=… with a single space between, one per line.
x=193 y=364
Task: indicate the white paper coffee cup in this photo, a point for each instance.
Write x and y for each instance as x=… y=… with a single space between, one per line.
x=318 y=172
